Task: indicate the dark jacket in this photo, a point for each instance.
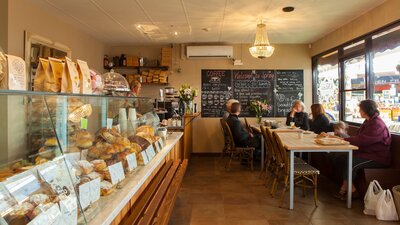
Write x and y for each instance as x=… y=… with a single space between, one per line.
x=300 y=120
x=373 y=140
x=320 y=124
x=239 y=132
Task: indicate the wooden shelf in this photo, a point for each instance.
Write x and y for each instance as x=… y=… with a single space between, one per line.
x=140 y=67
x=160 y=84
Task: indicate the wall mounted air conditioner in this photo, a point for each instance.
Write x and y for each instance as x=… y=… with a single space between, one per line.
x=201 y=52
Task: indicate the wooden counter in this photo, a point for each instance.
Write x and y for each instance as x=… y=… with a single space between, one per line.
x=111 y=209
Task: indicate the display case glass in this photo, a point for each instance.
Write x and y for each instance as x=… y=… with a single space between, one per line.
x=63 y=154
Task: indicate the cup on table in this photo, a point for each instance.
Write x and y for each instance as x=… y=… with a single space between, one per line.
x=292 y=124
x=300 y=134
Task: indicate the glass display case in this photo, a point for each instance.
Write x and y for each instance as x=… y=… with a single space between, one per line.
x=63 y=153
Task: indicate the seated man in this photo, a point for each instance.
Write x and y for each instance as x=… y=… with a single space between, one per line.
x=242 y=137
x=228 y=108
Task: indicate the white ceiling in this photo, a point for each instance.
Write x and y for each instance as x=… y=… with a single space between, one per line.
x=115 y=21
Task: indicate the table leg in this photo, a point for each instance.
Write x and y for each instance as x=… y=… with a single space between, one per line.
x=350 y=178
x=291 y=178
x=262 y=153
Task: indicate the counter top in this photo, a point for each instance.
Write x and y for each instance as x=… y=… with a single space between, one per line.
x=109 y=207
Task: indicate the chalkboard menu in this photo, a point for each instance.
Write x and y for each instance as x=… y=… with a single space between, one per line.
x=216 y=89
x=279 y=87
x=251 y=85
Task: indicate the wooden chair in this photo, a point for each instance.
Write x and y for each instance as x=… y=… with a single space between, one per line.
x=269 y=162
x=248 y=127
x=243 y=153
x=303 y=173
x=226 y=147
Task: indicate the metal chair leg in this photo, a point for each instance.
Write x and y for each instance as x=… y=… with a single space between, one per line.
x=315 y=179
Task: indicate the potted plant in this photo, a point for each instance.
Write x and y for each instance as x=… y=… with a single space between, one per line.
x=187 y=94
x=260 y=107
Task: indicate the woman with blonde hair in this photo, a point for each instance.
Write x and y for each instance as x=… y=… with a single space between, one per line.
x=298 y=115
x=319 y=122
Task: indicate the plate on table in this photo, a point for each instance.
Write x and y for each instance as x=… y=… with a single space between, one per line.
x=331 y=141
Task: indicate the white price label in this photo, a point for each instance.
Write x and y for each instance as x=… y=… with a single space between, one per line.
x=116 y=173
x=22 y=185
x=151 y=152
x=41 y=219
x=54 y=215
x=69 y=211
x=157 y=146
x=132 y=161
x=6 y=201
x=94 y=190
x=144 y=157
x=109 y=123
x=84 y=195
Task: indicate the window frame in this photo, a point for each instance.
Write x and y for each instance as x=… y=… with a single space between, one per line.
x=367 y=52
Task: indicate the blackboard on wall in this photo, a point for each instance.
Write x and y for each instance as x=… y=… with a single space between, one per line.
x=216 y=89
x=279 y=87
x=251 y=85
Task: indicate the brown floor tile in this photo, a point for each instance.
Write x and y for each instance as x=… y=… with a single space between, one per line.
x=246 y=222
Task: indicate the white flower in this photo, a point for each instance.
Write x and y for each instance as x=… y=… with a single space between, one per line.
x=188 y=91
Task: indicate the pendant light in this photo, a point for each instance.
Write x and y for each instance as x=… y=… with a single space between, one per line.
x=261 y=48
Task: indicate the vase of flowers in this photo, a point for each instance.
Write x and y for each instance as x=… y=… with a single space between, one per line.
x=260 y=107
x=187 y=94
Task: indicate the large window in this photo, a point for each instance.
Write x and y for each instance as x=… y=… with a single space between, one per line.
x=367 y=68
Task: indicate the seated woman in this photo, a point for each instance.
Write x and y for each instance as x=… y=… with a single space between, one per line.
x=298 y=116
x=319 y=122
x=373 y=140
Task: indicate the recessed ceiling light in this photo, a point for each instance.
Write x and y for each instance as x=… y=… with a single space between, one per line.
x=288 y=9
x=176 y=33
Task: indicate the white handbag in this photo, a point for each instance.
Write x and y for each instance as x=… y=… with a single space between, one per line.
x=371 y=197
x=385 y=208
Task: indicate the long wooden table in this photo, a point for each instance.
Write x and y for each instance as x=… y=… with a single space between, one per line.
x=293 y=144
x=256 y=128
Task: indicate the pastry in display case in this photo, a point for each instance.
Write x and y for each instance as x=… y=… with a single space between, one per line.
x=75 y=153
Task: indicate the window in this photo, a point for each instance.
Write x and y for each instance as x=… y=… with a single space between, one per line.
x=328 y=83
x=386 y=75
x=367 y=68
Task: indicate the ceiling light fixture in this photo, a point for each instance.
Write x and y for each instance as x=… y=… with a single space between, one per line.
x=261 y=48
x=288 y=9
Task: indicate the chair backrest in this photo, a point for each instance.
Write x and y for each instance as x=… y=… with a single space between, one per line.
x=268 y=145
x=283 y=158
x=247 y=125
x=224 y=132
x=229 y=134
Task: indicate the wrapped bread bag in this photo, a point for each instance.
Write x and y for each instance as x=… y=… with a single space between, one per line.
x=13 y=76
x=70 y=80
x=54 y=74
x=40 y=76
x=84 y=75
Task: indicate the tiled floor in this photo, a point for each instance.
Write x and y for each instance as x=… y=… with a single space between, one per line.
x=210 y=195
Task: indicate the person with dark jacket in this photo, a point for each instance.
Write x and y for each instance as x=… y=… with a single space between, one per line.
x=319 y=122
x=298 y=116
x=241 y=136
x=373 y=140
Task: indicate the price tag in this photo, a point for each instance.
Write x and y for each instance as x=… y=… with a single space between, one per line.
x=116 y=173
x=157 y=147
x=132 y=162
x=69 y=211
x=54 y=214
x=109 y=123
x=84 y=195
x=6 y=201
x=54 y=173
x=151 y=152
x=149 y=156
x=94 y=190
x=22 y=185
x=73 y=158
x=84 y=123
x=144 y=157
x=161 y=142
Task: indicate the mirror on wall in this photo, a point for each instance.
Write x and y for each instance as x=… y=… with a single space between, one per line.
x=37 y=47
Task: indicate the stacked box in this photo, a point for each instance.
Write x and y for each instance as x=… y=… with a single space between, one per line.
x=132 y=61
x=166 y=57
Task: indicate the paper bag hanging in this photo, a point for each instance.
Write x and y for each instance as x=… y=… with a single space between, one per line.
x=84 y=75
x=12 y=73
x=54 y=74
x=40 y=75
x=70 y=81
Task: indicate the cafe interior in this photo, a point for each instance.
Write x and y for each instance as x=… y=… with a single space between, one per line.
x=187 y=112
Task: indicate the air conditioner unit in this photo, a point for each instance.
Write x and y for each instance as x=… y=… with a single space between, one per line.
x=200 y=52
